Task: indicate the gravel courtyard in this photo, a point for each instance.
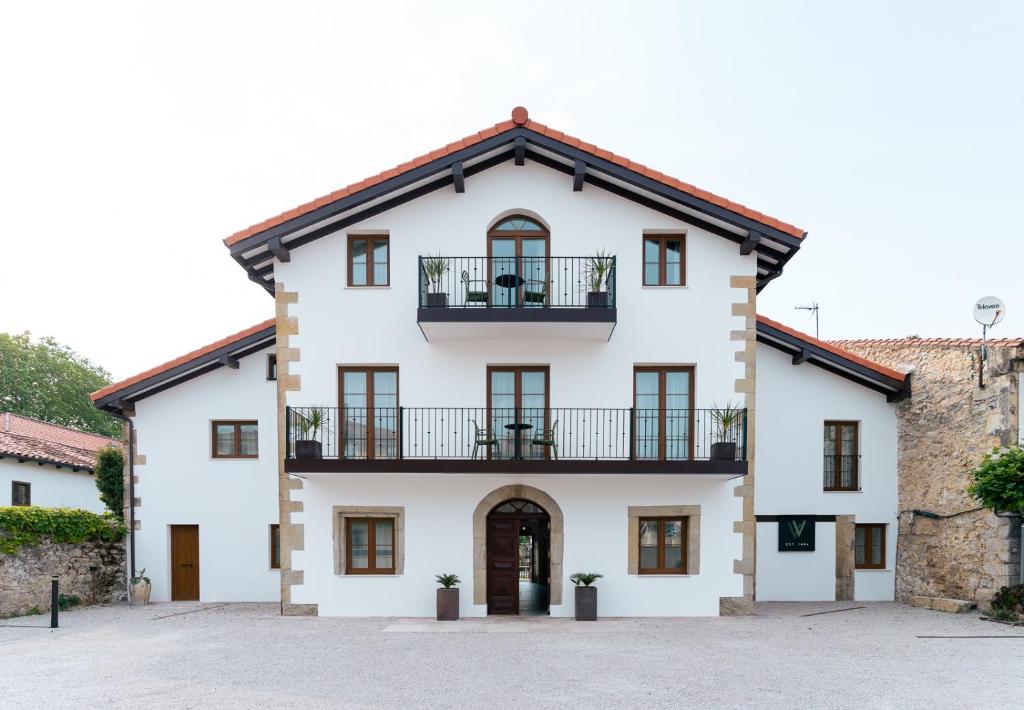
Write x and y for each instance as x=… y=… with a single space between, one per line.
x=183 y=655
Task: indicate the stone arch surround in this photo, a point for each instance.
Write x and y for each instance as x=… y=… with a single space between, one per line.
x=485 y=506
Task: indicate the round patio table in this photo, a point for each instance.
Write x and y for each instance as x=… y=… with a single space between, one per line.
x=510 y=282
x=518 y=427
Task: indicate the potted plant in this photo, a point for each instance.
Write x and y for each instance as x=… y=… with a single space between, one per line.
x=595 y=277
x=586 y=595
x=140 y=587
x=726 y=418
x=309 y=424
x=448 y=597
x=434 y=268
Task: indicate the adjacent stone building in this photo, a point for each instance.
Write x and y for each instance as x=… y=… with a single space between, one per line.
x=948 y=545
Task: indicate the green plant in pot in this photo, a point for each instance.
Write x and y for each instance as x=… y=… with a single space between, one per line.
x=448 y=597
x=140 y=588
x=308 y=425
x=597 y=278
x=586 y=595
x=434 y=269
x=727 y=421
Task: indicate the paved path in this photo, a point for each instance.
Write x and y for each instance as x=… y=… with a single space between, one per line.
x=246 y=656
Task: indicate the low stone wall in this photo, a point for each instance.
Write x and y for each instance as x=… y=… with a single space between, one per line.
x=95 y=571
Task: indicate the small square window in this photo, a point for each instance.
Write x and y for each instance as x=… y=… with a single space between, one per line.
x=664 y=260
x=370 y=545
x=21 y=493
x=275 y=546
x=663 y=545
x=869 y=546
x=235 y=440
x=369 y=260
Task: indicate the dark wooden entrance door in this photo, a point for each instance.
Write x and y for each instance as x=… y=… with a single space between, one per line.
x=503 y=525
x=185 y=562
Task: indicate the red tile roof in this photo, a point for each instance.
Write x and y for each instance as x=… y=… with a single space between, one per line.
x=240 y=335
x=520 y=117
x=945 y=342
x=29 y=438
x=881 y=369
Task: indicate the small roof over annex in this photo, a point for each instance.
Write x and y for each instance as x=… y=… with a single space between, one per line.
x=519 y=139
x=27 y=439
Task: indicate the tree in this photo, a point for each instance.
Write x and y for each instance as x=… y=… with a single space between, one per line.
x=110 y=478
x=51 y=382
x=999 y=480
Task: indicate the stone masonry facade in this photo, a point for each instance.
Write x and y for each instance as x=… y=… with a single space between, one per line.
x=944 y=429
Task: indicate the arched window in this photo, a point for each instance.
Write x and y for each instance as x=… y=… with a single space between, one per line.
x=517 y=253
x=518 y=506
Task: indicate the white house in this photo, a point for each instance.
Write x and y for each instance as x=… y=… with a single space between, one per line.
x=567 y=382
x=48 y=465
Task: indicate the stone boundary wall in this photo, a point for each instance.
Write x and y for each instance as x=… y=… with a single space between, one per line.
x=944 y=429
x=92 y=570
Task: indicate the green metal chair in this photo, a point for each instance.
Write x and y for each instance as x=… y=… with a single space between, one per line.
x=547 y=438
x=473 y=292
x=535 y=291
x=482 y=437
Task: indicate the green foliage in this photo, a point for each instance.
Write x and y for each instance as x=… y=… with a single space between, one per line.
x=434 y=268
x=448 y=580
x=726 y=418
x=140 y=576
x=110 y=478
x=311 y=422
x=999 y=480
x=585 y=579
x=34 y=611
x=1010 y=599
x=596 y=270
x=51 y=382
x=23 y=525
x=65 y=602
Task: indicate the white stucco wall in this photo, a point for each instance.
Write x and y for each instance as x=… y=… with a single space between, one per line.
x=439 y=538
x=52 y=487
x=232 y=500
x=796 y=576
x=793 y=404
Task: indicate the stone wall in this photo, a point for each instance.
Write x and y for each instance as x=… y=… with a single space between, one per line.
x=92 y=570
x=944 y=430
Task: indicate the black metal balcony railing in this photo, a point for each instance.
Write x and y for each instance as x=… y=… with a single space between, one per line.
x=842 y=473
x=521 y=434
x=516 y=282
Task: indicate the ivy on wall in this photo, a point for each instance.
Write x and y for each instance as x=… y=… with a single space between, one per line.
x=29 y=525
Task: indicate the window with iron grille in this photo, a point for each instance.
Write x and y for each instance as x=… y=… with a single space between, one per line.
x=842 y=456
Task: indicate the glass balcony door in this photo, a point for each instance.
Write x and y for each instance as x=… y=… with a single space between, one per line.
x=663 y=411
x=518 y=253
x=517 y=409
x=369 y=415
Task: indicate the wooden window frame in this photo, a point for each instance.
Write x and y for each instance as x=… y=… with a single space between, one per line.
x=371 y=567
x=662 y=418
x=28 y=492
x=275 y=546
x=369 y=238
x=369 y=371
x=518 y=235
x=237 y=424
x=684 y=550
x=870 y=529
x=272 y=367
x=518 y=371
x=837 y=463
x=662 y=262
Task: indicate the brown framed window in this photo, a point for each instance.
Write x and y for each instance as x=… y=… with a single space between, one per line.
x=842 y=456
x=275 y=546
x=21 y=493
x=869 y=547
x=369 y=412
x=664 y=260
x=518 y=411
x=235 y=439
x=272 y=366
x=663 y=545
x=663 y=409
x=369 y=260
x=369 y=545
x=519 y=255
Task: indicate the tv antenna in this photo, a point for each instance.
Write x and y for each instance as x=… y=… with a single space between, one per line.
x=988 y=311
x=814 y=309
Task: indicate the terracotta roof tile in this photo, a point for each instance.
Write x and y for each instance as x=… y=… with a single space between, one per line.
x=882 y=369
x=942 y=342
x=240 y=335
x=520 y=117
x=29 y=438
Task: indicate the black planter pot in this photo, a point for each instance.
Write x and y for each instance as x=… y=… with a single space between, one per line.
x=308 y=449
x=723 y=451
x=597 y=299
x=437 y=300
x=448 y=604
x=586 y=603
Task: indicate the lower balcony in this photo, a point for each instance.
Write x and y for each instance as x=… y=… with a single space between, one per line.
x=515 y=440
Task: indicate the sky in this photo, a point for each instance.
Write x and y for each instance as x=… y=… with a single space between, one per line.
x=135 y=136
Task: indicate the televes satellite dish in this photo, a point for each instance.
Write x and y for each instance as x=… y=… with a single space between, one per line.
x=989 y=310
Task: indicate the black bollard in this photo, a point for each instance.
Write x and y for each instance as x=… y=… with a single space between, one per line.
x=54 y=602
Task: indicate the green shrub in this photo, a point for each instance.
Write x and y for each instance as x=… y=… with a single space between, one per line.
x=65 y=601
x=29 y=525
x=999 y=480
x=110 y=478
x=1010 y=599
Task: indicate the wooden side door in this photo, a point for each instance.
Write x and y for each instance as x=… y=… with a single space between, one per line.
x=185 y=562
x=502 y=565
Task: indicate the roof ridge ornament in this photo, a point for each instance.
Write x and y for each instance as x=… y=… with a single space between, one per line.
x=520 y=115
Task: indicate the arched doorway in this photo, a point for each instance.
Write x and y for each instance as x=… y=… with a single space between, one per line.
x=518 y=558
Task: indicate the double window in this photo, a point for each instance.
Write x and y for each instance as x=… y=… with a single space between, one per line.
x=869 y=546
x=370 y=545
x=665 y=260
x=663 y=545
x=663 y=408
x=842 y=456
x=235 y=440
x=369 y=415
x=369 y=260
x=21 y=493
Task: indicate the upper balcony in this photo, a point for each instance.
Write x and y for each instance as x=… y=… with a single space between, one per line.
x=516 y=297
